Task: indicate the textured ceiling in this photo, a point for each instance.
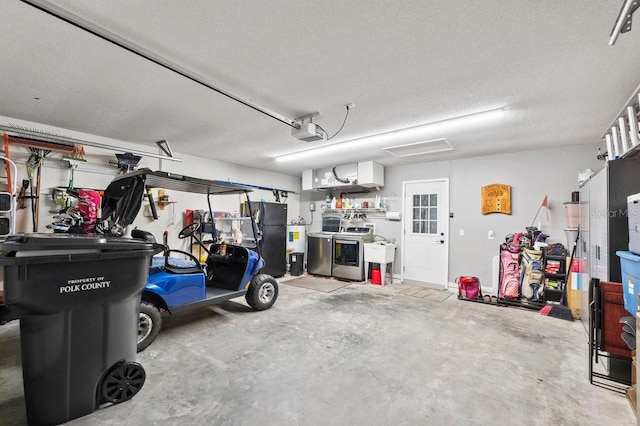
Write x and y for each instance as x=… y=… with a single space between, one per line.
x=401 y=63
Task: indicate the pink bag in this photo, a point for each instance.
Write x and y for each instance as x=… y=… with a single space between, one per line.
x=469 y=288
x=509 y=274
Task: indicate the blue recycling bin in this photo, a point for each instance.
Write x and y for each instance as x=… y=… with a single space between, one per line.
x=630 y=268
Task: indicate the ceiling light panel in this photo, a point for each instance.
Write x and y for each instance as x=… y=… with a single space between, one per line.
x=420 y=148
x=406 y=135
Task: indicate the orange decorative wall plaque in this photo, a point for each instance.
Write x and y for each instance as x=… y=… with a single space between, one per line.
x=496 y=198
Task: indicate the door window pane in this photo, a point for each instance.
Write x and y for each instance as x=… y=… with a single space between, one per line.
x=425 y=213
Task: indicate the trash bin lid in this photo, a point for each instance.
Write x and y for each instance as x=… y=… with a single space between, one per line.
x=70 y=242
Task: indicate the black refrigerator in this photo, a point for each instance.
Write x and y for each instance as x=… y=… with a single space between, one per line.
x=271 y=220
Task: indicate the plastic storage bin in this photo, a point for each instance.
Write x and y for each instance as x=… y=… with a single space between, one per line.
x=296 y=260
x=78 y=300
x=630 y=268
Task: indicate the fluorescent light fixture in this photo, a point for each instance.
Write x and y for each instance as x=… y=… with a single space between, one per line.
x=408 y=135
x=420 y=148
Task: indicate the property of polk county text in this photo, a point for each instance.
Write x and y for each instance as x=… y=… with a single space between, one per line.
x=84 y=284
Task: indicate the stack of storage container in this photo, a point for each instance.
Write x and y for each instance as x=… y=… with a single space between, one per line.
x=630 y=260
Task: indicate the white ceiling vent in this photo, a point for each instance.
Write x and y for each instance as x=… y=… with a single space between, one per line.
x=420 y=148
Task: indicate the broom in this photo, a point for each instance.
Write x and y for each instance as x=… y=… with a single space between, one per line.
x=559 y=310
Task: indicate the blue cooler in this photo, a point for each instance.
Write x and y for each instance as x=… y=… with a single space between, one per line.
x=630 y=265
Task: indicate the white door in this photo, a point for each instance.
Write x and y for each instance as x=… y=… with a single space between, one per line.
x=425 y=248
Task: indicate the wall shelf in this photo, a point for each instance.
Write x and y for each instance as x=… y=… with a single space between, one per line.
x=369 y=210
x=162 y=203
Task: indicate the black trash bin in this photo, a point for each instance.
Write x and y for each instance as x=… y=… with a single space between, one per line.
x=78 y=300
x=296 y=262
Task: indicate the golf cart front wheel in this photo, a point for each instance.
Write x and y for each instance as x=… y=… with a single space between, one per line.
x=149 y=324
x=122 y=382
x=262 y=292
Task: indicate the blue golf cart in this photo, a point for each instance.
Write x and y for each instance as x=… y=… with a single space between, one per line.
x=178 y=282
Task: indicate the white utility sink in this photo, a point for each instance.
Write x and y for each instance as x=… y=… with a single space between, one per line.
x=382 y=254
x=379 y=253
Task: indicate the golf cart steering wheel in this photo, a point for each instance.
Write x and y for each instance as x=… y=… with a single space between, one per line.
x=189 y=230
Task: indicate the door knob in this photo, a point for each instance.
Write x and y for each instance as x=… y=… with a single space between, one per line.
x=441 y=241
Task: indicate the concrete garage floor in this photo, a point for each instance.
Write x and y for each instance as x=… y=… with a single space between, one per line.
x=359 y=355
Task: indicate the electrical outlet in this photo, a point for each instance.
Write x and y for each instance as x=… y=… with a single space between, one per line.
x=462 y=232
x=491 y=235
x=312 y=207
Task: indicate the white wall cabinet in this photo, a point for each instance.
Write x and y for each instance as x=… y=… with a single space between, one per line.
x=369 y=175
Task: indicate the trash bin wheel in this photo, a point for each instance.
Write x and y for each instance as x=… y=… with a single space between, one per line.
x=122 y=382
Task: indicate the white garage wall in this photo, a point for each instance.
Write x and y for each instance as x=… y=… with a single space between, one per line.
x=96 y=173
x=531 y=174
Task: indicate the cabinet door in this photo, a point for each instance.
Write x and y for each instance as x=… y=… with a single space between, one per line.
x=582 y=248
x=582 y=253
x=598 y=227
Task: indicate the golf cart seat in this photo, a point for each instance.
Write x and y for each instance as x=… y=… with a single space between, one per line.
x=174 y=261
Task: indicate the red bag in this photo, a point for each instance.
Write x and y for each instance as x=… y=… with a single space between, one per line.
x=469 y=288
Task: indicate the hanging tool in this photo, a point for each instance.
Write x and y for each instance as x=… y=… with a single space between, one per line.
x=22 y=195
x=73 y=166
x=33 y=163
x=42 y=153
x=152 y=204
x=62 y=198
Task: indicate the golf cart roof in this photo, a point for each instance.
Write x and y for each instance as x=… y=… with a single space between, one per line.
x=177 y=182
